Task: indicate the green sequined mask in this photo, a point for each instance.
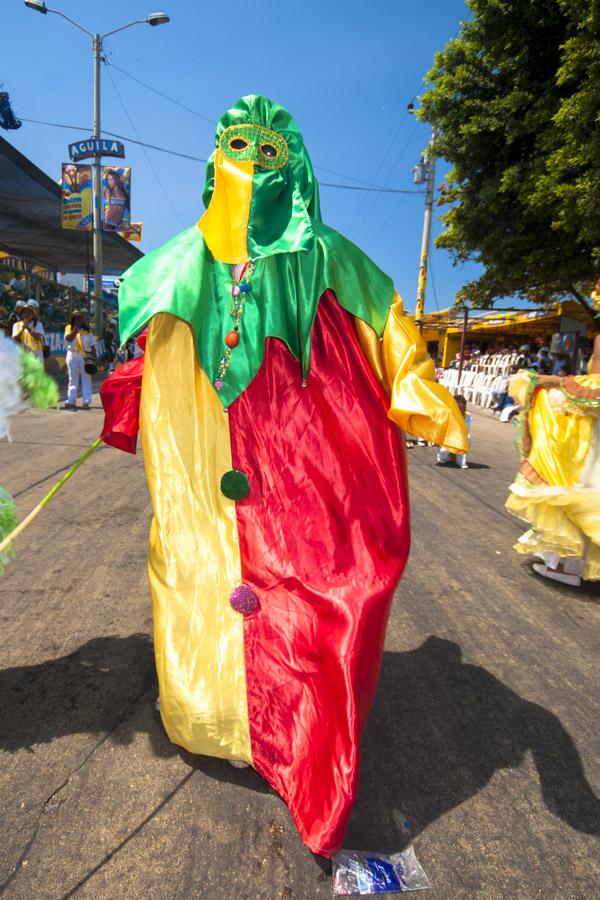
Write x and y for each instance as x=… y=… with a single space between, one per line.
x=253 y=143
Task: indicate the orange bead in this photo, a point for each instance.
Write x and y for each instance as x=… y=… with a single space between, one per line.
x=232 y=339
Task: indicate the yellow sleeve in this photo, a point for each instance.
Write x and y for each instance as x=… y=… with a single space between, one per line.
x=418 y=404
x=520 y=387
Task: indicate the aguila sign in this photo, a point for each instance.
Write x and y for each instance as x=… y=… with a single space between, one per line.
x=96 y=147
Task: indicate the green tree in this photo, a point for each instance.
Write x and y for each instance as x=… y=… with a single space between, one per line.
x=515 y=99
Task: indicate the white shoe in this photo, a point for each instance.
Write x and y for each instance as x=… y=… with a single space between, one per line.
x=237 y=764
x=464 y=466
x=545 y=572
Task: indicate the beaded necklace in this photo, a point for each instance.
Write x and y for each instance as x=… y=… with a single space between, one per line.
x=240 y=289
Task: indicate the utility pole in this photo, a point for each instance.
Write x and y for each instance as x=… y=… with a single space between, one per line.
x=97 y=195
x=429 y=164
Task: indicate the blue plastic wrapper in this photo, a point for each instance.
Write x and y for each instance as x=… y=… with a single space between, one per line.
x=357 y=873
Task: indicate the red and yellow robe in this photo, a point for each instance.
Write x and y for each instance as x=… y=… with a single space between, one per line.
x=321 y=540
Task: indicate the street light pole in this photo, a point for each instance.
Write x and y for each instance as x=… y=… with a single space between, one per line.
x=97 y=195
x=157 y=18
x=424 y=259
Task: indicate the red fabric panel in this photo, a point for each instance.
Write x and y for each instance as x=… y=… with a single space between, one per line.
x=324 y=537
x=120 y=395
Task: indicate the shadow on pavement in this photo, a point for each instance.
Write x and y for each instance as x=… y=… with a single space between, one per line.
x=438 y=732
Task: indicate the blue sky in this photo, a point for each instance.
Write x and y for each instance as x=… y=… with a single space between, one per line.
x=346 y=71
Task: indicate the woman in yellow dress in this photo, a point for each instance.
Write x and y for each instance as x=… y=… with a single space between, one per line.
x=557 y=488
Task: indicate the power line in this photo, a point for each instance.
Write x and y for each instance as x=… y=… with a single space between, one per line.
x=379 y=167
x=121 y=137
x=131 y=140
x=160 y=93
x=168 y=197
x=390 y=173
x=373 y=190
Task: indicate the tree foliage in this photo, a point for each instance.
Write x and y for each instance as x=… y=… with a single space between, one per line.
x=515 y=99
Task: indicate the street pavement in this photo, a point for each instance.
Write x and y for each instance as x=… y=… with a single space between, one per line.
x=481 y=749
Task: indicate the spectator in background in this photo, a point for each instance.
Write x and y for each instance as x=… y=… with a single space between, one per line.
x=24 y=333
x=38 y=327
x=444 y=455
x=80 y=341
x=501 y=396
x=16 y=315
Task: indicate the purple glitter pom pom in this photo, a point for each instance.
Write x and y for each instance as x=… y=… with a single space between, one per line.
x=218 y=384
x=243 y=599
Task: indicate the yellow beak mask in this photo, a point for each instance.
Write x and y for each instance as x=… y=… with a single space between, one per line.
x=256 y=207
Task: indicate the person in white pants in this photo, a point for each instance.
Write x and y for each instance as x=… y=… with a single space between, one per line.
x=444 y=455
x=79 y=341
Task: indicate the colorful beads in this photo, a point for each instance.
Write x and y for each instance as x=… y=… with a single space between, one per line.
x=239 y=291
x=244 y=600
x=235 y=485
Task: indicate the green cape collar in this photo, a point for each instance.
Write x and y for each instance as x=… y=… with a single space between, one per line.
x=183 y=278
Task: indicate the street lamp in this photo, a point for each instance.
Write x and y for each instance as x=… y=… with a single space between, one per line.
x=157 y=18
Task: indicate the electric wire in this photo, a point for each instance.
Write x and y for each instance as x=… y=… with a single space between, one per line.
x=120 y=137
x=405 y=147
x=160 y=93
x=168 y=197
x=380 y=166
x=201 y=159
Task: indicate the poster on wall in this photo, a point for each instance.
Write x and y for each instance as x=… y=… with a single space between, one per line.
x=116 y=193
x=76 y=204
x=132 y=231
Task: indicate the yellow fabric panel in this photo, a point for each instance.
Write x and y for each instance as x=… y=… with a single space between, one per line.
x=193 y=557
x=560 y=442
x=520 y=387
x=225 y=222
x=371 y=347
x=566 y=523
x=418 y=404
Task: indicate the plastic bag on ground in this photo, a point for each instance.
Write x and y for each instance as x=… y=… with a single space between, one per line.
x=358 y=873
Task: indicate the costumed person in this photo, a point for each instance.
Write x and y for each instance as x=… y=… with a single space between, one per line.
x=557 y=488
x=278 y=364
x=81 y=345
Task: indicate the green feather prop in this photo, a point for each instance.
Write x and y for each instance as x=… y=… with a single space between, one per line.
x=8 y=522
x=42 y=390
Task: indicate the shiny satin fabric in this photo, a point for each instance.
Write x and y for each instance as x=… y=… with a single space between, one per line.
x=562 y=504
x=225 y=222
x=324 y=537
x=193 y=555
x=184 y=279
x=120 y=395
x=560 y=442
x=404 y=368
x=258 y=110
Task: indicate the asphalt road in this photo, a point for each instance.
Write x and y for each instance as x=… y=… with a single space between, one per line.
x=482 y=747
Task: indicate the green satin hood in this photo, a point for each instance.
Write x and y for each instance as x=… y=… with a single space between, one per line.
x=297 y=259
x=258 y=110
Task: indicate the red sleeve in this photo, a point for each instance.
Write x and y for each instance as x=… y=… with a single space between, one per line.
x=120 y=395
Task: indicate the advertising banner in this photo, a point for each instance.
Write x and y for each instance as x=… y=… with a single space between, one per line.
x=116 y=193
x=76 y=184
x=132 y=232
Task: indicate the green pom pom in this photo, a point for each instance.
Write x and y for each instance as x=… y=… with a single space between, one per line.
x=235 y=485
x=8 y=523
x=41 y=389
